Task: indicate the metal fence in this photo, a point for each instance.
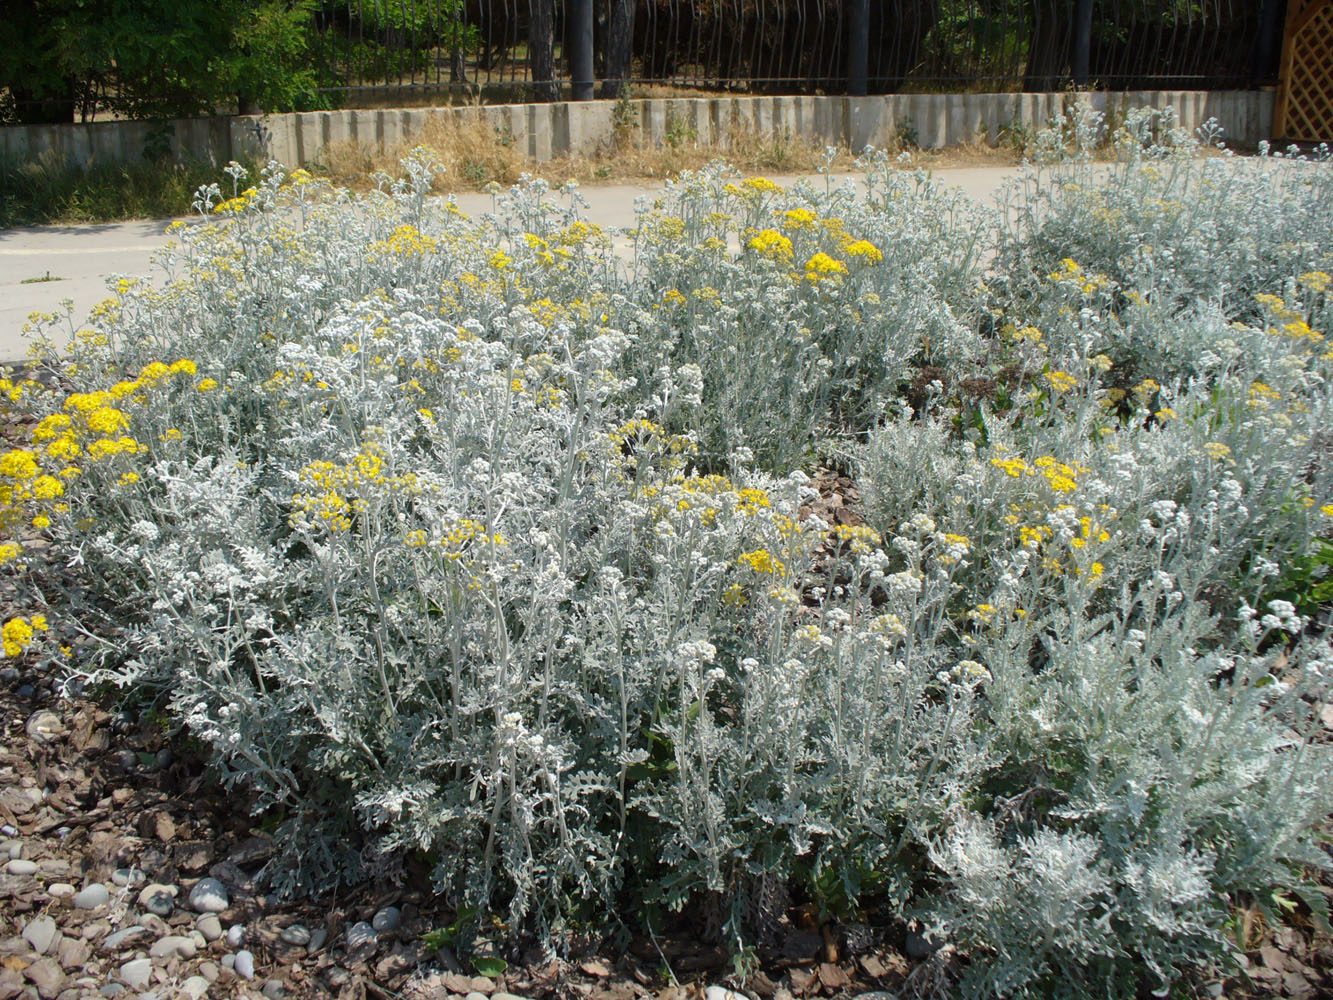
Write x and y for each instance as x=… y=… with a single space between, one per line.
x=399 y=52
x=491 y=50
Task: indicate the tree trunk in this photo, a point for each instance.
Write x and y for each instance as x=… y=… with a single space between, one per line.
x=1047 y=50
x=457 y=68
x=541 y=51
x=619 y=46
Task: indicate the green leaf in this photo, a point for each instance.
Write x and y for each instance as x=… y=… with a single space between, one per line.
x=437 y=939
x=489 y=966
x=1318 y=906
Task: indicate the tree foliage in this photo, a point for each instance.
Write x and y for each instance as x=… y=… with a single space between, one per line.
x=154 y=58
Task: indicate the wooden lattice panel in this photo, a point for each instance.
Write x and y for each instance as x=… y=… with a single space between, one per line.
x=1305 y=104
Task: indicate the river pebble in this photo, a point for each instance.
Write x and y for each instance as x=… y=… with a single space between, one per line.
x=361 y=933
x=173 y=945
x=92 y=897
x=296 y=934
x=136 y=973
x=158 y=899
x=387 y=919
x=209 y=896
x=41 y=934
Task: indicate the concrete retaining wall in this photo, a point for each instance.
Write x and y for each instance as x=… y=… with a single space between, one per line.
x=210 y=139
x=551 y=130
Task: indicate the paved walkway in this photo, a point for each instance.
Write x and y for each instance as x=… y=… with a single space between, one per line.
x=84 y=258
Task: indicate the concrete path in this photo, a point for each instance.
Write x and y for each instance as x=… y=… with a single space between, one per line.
x=85 y=258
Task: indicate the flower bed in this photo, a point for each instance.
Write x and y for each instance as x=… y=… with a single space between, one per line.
x=466 y=540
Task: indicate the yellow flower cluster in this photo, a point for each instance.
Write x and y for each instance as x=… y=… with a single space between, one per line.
x=751 y=501
x=22 y=481
x=405 y=241
x=1293 y=324
x=1030 y=536
x=799 y=218
x=458 y=536
x=1090 y=533
x=711 y=493
x=772 y=244
x=1316 y=281
x=1277 y=306
x=18 y=633
x=111 y=447
x=332 y=509
x=860 y=538
x=343 y=489
x=543 y=248
x=1262 y=391
x=573 y=235
x=762 y=561
x=865 y=251
x=640 y=436
x=13 y=391
x=955 y=548
x=1299 y=329
x=821 y=266
x=237 y=205
x=579 y=232
x=547 y=312
x=1070 y=272
x=1061 y=382
x=634 y=429
x=983 y=614
x=889 y=625
x=93 y=425
x=1060 y=476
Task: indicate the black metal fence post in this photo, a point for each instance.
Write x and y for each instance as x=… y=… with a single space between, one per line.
x=1081 y=57
x=858 y=47
x=1268 y=43
x=580 y=49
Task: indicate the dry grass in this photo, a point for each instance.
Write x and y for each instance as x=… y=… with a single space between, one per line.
x=475 y=154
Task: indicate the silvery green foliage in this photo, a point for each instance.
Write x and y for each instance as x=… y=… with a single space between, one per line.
x=468 y=540
x=1146 y=762
x=1154 y=750
x=1163 y=219
x=780 y=352
x=1157 y=780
